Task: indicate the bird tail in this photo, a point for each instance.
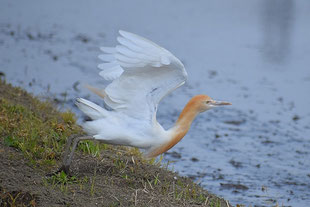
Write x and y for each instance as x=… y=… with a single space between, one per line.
x=91 y=109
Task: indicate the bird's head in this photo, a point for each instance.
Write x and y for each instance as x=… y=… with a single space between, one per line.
x=204 y=103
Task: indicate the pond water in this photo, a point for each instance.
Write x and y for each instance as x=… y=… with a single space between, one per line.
x=255 y=54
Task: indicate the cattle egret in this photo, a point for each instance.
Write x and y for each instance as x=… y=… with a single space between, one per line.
x=142 y=73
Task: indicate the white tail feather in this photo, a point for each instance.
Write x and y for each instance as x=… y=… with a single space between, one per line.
x=90 y=109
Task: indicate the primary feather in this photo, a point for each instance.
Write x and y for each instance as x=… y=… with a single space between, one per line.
x=144 y=74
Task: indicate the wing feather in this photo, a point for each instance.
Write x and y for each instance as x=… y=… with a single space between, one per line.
x=140 y=41
x=111 y=73
x=123 y=58
x=125 y=51
x=142 y=73
x=129 y=44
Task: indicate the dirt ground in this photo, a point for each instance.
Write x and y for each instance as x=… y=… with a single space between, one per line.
x=30 y=188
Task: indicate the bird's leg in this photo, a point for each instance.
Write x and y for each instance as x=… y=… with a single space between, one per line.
x=68 y=156
x=67 y=147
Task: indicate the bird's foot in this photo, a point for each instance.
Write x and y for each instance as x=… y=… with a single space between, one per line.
x=63 y=168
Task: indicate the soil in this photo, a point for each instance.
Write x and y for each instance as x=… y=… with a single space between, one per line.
x=110 y=189
x=17 y=176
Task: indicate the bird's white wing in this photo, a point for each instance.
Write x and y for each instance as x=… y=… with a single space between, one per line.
x=142 y=73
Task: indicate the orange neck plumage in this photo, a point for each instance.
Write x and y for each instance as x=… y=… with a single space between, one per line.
x=190 y=111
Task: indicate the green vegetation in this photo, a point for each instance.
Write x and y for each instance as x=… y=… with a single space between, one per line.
x=62 y=180
x=36 y=129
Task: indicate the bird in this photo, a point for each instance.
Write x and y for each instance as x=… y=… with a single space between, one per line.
x=142 y=73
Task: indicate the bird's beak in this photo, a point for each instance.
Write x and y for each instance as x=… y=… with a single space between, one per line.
x=220 y=103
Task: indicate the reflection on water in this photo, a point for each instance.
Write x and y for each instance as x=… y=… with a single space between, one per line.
x=278 y=20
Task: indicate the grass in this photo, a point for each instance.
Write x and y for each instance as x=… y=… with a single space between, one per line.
x=118 y=175
x=13 y=198
x=39 y=137
x=61 y=180
x=38 y=130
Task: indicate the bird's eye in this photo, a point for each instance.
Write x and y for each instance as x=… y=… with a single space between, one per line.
x=207 y=102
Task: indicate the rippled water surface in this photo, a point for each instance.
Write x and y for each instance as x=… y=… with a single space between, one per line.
x=254 y=54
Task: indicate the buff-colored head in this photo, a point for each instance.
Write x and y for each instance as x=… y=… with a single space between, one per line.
x=203 y=103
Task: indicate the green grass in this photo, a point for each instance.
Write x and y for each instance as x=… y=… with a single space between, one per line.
x=40 y=140
x=61 y=180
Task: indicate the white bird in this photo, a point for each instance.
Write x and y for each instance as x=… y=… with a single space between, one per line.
x=142 y=74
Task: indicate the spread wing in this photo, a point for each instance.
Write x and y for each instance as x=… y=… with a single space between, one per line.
x=142 y=73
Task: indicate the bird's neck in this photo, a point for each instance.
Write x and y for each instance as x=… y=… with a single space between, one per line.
x=179 y=130
x=186 y=118
x=184 y=122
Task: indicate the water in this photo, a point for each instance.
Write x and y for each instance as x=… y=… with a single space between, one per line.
x=254 y=54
